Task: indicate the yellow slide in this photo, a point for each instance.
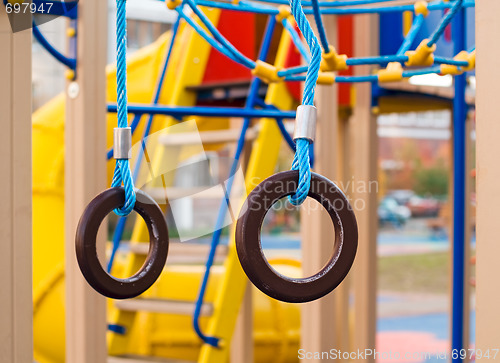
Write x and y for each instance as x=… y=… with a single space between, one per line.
x=276 y=324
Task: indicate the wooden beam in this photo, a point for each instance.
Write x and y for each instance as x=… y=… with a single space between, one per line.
x=468 y=235
x=319 y=322
x=364 y=168
x=242 y=345
x=85 y=176
x=16 y=332
x=488 y=174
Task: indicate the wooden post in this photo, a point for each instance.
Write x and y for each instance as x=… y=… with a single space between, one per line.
x=85 y=176
x=488 y=174
x=16 y=322
x=468 y=235
x=318 y=318
x=318 y=323
x=364 y=150
x=242 y=343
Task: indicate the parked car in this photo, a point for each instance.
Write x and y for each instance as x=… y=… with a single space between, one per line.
x=402 y=196
x=390 y=211
x=424 y=207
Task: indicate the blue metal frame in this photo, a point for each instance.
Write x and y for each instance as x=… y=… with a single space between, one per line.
x=459 y=197
x=68 y=9
x=68 y=62
x=204 y=111
x=65 y=8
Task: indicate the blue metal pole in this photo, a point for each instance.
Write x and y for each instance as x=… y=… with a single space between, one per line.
x=180 y=111
x=68 y=62
x=459 y=197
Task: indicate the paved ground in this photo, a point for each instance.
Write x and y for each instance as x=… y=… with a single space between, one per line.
x=415 y=326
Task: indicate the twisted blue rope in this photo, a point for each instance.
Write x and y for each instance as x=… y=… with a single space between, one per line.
x=122 y=174
x=410 y=37
x=320 y=26
x=445 y=22
x=296 y=40
x=219 y=37
x=301 y=161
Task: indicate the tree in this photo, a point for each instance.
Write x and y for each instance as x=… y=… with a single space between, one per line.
x=433 y=181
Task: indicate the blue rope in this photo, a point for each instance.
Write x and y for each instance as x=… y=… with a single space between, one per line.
x=213 y=42
x=302 y=163
x=454 y=62
x=296 y=40
x=301 y=160
x=320 y=26
x=122 y=172
x=329 y=3
x=292 y=70
x=410 y=37
x=219 y=37
x=383 y=59
x=120 y=226
x=445 y=22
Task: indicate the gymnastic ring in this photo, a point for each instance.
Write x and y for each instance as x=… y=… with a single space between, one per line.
x=86 y=251
x=252 y=259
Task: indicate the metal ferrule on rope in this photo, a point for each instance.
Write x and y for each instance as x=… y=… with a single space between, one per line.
x=122 y=143
x=305 y=123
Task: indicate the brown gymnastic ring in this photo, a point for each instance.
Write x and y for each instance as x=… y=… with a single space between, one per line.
x=86 y=252
x=253 y=261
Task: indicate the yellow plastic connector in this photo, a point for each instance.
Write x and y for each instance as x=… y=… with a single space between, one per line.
x=71 y=32
x=266 y=72
x=172 y=4
x=326 y=78
x=332 y=61
x=284 y=13
x=423 y=56
x=421 y=8
x=70 y=74
x=455 y=70
x=393 y=73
